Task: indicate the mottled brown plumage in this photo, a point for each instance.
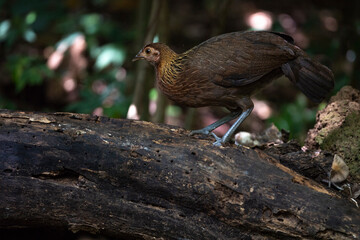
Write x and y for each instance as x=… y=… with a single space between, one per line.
x=227 y=69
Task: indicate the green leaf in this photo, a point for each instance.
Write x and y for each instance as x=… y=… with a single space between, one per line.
x=68 y=40
x=153 y=94
x=29 y=35
x=4 y=29
x=91 y=23
x=173 y=111
x=109 y=54
x=27 y=71
x=30 y=18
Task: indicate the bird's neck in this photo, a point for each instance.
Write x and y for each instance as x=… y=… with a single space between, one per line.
x=165 y=70
x=169 y=75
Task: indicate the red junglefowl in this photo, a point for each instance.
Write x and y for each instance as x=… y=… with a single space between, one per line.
x=227 y=69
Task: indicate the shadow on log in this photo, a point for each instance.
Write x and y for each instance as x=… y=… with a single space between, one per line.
x=137 y=180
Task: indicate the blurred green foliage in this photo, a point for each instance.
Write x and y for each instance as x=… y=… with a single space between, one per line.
x=58 y=24
x=99 y=76
x=26 y=70
x=296 y=117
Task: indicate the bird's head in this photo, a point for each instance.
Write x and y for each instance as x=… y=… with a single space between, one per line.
x=154 y=52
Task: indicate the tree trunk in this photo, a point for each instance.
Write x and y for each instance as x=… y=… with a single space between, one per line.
x=138 y=180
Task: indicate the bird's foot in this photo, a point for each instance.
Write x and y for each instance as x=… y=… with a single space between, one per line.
x=200 y=131
x=219 y=141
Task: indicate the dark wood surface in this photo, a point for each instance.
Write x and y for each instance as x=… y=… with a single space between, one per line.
x=137 y=180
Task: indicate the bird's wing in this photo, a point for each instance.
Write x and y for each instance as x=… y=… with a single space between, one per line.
x=238 y=59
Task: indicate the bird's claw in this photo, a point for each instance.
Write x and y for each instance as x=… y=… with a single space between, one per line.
x=218 y=141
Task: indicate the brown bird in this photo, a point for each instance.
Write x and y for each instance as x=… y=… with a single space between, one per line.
x=227 y=69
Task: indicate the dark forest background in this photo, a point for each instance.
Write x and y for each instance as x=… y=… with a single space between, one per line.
x=75 y=55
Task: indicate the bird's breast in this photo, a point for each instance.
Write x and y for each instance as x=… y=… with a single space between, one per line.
x=197 y=92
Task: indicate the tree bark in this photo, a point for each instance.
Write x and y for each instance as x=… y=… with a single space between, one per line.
x=138 y=180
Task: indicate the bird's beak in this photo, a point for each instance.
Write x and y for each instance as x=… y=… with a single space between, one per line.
x=138 y=57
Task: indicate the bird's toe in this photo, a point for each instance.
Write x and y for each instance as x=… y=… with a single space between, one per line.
x=200 y=131
x=218 y=140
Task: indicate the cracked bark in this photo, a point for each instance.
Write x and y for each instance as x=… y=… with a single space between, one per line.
x=138 y=180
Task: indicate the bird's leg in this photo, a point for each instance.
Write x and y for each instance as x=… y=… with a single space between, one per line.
x=208 y=129
x=230 y=132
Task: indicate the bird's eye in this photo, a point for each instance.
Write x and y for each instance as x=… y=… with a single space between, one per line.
x=147 y=51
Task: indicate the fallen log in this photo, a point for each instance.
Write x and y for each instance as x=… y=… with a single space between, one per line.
x=130 y=179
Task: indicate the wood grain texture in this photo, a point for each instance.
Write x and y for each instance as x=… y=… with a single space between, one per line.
x=138 y=180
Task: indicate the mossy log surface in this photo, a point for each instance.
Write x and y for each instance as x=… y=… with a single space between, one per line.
x=137 y=180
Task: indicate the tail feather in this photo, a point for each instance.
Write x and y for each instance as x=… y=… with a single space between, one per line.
x=312 y=78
